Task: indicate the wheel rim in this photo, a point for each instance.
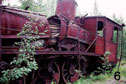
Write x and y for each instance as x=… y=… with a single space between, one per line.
x=83 y=66
x=54 y=69
x=69 y=71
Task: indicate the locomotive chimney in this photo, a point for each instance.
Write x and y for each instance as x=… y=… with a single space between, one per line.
x=66 y=8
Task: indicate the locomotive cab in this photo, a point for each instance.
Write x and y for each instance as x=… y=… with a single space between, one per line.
x=107 y=34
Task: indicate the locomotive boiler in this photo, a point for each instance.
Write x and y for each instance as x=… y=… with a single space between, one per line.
x=73 y=45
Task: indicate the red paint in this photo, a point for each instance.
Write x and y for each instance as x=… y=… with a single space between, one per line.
x=75 y=32
x=99 y=47
x=90 y=25
x=63 y=30
x=86 y=31
x=66 y=8
x=13 y=19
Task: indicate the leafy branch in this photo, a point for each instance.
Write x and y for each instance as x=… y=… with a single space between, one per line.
x=25 y=61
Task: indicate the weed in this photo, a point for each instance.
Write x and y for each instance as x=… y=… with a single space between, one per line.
x=100 y=79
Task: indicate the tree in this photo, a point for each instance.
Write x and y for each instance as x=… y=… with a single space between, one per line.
x=96 y=11
x=120 y=21
x=46 y=7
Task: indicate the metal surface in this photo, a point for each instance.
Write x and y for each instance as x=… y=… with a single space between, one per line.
x=73 y=33
x=54 y=69
x=15 y=19
x=70 y=70
x=15 y=51
x=109 y=44
x=66 y=8
x=99 y=49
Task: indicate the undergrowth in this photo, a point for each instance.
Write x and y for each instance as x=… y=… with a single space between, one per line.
x=100 y=79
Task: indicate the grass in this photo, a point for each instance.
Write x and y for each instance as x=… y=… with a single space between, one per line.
x=93 y=79
x=102 y=78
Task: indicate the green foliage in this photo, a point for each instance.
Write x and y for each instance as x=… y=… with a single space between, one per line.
x=91 y=79
x=100 y=79
x=53 y=83
x=124 y=43
x=118 y=20
x=107 y=53
x=46 y=7
x=25 y=61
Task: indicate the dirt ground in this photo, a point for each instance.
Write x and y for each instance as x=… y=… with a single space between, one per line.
x=115 y=82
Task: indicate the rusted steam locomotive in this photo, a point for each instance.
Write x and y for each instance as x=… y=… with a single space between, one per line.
x=73 y=43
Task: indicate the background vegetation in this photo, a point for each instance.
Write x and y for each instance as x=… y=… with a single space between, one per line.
x=46 y=7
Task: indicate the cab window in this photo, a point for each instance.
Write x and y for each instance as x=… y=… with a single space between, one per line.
x=100 y=27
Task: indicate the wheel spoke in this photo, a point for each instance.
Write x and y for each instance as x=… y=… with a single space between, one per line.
x=68 y=78
x=54 y=69
x=66 y=74
x=69 y=74
x=76 y=66
x=83 y=66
